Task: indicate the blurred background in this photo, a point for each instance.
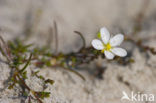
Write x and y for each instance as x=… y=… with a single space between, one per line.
x=37 y=17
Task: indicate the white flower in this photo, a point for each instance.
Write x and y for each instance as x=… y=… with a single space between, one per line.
x=109 y=46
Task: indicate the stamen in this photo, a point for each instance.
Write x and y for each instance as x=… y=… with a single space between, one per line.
x=107 y=47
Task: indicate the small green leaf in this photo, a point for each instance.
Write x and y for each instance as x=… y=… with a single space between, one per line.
x=43 y=95
x=41 y=77
x=48 y=63
x=26 y=64
x=24 y=74
x=11 y=86
x=25 y=94
x=73 y=60
x=99 y=35
x=49 y=81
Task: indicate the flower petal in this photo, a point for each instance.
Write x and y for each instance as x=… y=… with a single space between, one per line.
x=105 y=35
x=97 y=44
x=116 y=40
x=109 y=55
x=119 y=52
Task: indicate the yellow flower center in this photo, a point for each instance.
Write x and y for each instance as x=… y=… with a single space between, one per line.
x=107 y=47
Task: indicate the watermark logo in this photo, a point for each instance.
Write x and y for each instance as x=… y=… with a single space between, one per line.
x=137 y=97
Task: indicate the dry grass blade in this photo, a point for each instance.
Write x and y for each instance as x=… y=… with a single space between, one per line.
x=50 y=37
x=56 y=37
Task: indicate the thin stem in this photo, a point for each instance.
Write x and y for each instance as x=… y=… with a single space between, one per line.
x=28 y=62
x=83 y=39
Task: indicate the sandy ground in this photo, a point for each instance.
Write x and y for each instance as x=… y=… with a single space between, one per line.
x=87 y=17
